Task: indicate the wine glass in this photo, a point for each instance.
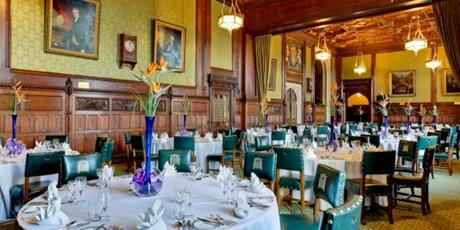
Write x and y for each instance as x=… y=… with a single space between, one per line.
x=104 y=198
x=71 y=189
x=94 y=211
x=194 y=168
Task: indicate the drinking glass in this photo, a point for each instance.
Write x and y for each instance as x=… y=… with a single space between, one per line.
x=81 y=184
x=194 y=168
x=179 y=212
x=71 y=191
x=104 y=198
x=94 y=211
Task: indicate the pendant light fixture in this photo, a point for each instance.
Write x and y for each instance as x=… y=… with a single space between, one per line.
x=233 y=19
x=360 y=66
x=433 y=62
x=322 y=53
x=417 y=41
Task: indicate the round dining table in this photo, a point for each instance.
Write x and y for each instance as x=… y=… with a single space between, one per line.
x=125 y=207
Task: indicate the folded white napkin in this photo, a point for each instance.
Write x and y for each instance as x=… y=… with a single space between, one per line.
x=40 y=147
x=67 y=149
x=241 y=208
x=256 y=185
x=152 y=218
x=51 y=215
x=225 y=174
x=169 y=170
x=309 y=152
x=219 y=137
x=164 y=136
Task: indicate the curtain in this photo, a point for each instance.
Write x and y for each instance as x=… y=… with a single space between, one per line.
x=447 y=14
x=262 y=46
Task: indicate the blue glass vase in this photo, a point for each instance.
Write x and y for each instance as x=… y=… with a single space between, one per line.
x=435 y=121
x=149 y=182
x=185 y=121
x=385 y=127
x=14 y=117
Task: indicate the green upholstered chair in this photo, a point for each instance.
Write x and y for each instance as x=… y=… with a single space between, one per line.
x=230 y=150
x=301 y=139
x=57 y=138
x=373 y=128
x=1 y=141
x=361 y=140
x=107 y=152
x=444 y=150
x=307 y=133
x=322 y=134
x=80 y=165
x=99 y=142
x=261 y=164
x=291 y=159
x=353 y=129
x=37 y=164
x=404 y=180
x=374 y=140
x=184 y=143
x=425 y=142
x=181 y=158
x=263 y=143
x=375 y=163
x=329 y=186
x=137 y=145
x=407 y=152
x=277 y=137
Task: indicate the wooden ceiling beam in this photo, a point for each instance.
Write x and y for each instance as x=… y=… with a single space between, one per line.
x=289 y=15
x=374 y=48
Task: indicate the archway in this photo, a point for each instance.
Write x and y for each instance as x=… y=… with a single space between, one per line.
x=293 y=103
x=354 y=102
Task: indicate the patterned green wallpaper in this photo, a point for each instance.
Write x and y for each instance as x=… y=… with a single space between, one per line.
x=117 y=16
x=221 y=40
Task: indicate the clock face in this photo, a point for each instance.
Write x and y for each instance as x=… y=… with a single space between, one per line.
x=130 y=46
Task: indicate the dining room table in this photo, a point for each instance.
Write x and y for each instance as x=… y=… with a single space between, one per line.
x=125 y=207
x=12 y=170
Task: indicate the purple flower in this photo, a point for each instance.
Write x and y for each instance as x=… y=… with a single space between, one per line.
x=139 y=178
x=15 y=146
x=184 y=133
x=268 y=130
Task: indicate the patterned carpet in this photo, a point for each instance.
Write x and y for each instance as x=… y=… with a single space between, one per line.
x=444 y=201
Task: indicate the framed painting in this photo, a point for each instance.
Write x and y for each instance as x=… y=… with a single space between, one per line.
x=272 y=77
x=294 y=56
x=402 y=83
x=169 y=44
x=450 y=83
x=72 y=27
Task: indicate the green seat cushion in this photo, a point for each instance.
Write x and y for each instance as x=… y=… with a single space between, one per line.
x=294 y=183
x=372 y=186
x=36 y=188
x=298 y=222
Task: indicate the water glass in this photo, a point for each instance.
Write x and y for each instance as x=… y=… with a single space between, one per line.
x=104 y=198
x=194 y=168
x=71 y=191
x=81 y=184
x=180 y=212
x=95 y=213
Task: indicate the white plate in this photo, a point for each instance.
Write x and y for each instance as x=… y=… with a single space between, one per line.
x=244 y=183
x=263 y=200
x=202 y=225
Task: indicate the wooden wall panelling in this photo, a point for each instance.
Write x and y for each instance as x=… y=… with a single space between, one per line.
x=197 y=116
x=275 y=112
x=351 y=87
x=320 y=114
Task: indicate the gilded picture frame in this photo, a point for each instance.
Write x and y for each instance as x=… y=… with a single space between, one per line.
x=272 y=76
x=169 y=44
x=72 y=27
x=450 y=83
x=402 y=83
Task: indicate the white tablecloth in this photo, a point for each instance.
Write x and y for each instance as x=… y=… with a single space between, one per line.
x=12 y=173
x=125 y=207
x=203 y=148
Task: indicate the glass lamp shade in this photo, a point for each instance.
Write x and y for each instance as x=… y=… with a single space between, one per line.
x=433 y=64
x=230 y=22
x=360 y=69
x=322 y=55
x=416 y=45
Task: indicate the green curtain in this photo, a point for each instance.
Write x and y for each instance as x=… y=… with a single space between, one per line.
x=447 y=14
x=262 y=43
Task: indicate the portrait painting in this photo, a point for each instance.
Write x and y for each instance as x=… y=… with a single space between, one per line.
x=72 y=27
x=450 y=83
x=402 y=83
x=169 y=45
x=272 y=77
x=294 y=54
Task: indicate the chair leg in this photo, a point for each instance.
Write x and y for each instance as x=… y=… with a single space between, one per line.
x=302 y=200
x=395 y=194
x=427 y=200
x=423 y=188
x=390 y=208
x=278 y=195
x=363 y=212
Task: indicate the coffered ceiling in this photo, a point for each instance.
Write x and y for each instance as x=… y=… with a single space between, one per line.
x=377 y=31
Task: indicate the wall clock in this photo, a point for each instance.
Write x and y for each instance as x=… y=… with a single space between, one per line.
x=128 y=51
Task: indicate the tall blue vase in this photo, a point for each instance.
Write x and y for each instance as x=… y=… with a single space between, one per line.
x=435 y=121
x=408 y=124
x=149 y=122
x=14 y=117
x=185 y=121
x=385 y=127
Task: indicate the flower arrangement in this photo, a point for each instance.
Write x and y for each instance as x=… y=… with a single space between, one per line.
x=408 y=109
x=15 y=146
x=383 y=101
x=149 y=103
x=435 y=111
x=144 y=182
x=421 y=111
x=335 y=106
x=17 y=99
x=360 y=111
x=309 y=109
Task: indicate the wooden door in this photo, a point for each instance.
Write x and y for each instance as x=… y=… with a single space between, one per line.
x=291 y=107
